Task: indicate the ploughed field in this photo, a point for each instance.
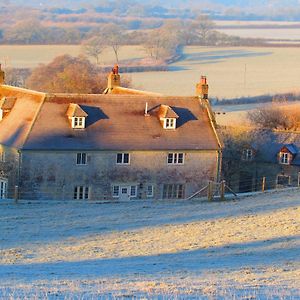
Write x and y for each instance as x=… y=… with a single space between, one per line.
x=239 y=249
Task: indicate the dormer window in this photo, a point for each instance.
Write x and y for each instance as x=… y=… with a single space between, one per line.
x=287 y=154
x=167 y=117
x=170 y=123
x=77 y=116
x=78 y=122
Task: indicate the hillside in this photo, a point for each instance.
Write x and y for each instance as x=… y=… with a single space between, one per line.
x=244 y=248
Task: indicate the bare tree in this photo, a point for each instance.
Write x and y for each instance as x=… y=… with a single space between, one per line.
x=205 y=26
x=94 y=47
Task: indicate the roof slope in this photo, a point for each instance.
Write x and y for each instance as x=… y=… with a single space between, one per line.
x=15 y=127
x=117 y=122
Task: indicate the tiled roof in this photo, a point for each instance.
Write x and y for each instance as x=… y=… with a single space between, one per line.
x=15 y=127
x=166 y=111
x=74 y=110
x=118 y=122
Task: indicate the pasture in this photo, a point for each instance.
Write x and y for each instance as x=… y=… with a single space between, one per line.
x=232 y=72
x=32 y=55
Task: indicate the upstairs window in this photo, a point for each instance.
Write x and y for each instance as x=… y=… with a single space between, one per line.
x=247 y=154
x=175 y=159
x=284 y=158
x=81 y=159
x=78 y=122
x=123 y=158
x=170 y=123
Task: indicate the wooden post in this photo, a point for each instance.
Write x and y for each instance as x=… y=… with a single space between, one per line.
x=222 y=190
x=263 y=187
x=210 y=191
x=16 y=193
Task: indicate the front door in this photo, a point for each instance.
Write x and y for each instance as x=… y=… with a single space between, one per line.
x=125 y=193
x=3 y=189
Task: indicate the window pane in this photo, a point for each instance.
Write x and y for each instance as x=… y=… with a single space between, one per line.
x=126 y=158
x=78 y=158
x=83 y=158
x=86 y=193
x=116 y=190
x=119 y=158
x=180 y=158
x=81 y=192
x=133 y=191
x=150 y=190
x=75 y=193
x=170 y=158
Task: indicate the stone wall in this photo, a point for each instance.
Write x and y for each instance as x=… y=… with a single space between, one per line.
x=53 y=175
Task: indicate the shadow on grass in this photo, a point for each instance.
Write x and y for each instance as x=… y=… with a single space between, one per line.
x=228 y=258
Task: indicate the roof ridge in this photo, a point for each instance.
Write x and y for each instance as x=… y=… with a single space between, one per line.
x=24 y=90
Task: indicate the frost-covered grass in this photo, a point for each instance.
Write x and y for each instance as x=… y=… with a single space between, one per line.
x=242 y=249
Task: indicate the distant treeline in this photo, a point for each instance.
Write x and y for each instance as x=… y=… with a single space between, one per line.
x=278 y=98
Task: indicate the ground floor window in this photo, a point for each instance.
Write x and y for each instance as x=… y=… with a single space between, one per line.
x=173 y=191
x=3 y=189
x=283 y=180
x=150 y=191
x=81 y=192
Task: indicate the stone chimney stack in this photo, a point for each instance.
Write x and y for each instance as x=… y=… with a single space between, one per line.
x=2 y=76
x=202 y=88
x=114 y=78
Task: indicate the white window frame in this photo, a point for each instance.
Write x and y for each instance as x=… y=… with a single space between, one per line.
x=175 y=158
x=81 y=192
x=173 y=191
x=150 y=195
x=169 y=123
x=78 y=122
x=81 y=158
x=3 y=188
x=123 y=154
x=247 y=154
x=284 y=158
x=116 y=191
x=133 y=191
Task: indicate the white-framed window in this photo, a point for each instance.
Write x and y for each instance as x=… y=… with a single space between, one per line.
x=169 y=123
x=81 y=158
x=175 y=158
x=123 y=159
x=3 y=189
x=284 y=158
x=283 y=180
x=78 y=122
x=150 y=191
x=115 y=191
x=247 y=154
x=2 y=156
x=173 y=191
x=81 y=192
x=133 y=191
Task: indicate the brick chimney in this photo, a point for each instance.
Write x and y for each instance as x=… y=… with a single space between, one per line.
x=114 y=78
x=202 y=88
x=2 y=76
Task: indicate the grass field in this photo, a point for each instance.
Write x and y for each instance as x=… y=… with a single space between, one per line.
x=231 y=72
x=31 y=56
x=241 y=249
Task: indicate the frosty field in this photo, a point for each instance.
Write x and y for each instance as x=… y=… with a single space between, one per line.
x=237 y=249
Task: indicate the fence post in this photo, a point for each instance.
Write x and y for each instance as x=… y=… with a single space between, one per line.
x=298 y=179
x=210 y=191
x=222 y=190
x=16 y=193
x=263 y=187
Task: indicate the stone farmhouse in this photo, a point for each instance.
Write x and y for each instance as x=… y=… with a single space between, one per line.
x=264 y=155
x=120 y=145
